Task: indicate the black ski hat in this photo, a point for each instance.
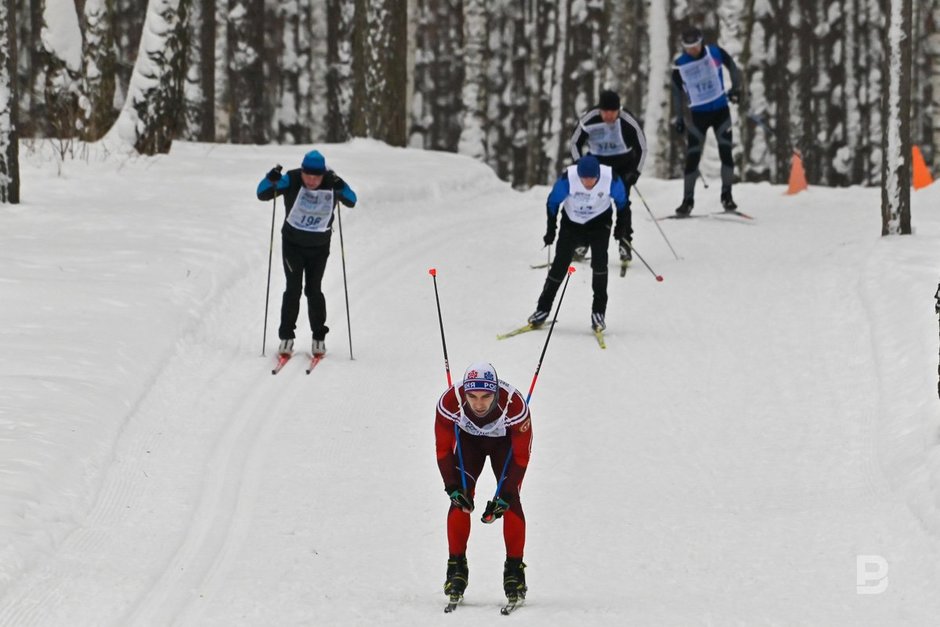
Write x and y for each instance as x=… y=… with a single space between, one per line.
x=609 y=101
x=691 y=36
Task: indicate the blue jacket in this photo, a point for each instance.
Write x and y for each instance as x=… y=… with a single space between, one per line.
x=289 y=186
x=723 y=58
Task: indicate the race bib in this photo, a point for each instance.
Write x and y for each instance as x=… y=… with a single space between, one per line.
x=702 y=81
x=605 y=139
x=312 y=210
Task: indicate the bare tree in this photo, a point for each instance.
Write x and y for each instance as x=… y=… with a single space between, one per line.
x=896 y=132
x=9 y=157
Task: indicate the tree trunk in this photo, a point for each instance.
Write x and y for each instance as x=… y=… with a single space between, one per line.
x=9 y=157
x=341 y=15
x=896 y=132
x=386 y=71
x=247 y=82
x=472 y=132
x=200 y=74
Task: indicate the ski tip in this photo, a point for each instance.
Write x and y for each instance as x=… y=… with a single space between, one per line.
x=432 y=271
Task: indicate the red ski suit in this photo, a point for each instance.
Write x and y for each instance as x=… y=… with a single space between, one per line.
x=507 y=426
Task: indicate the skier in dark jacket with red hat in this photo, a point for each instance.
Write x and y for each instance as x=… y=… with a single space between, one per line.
x=483 y=416
x=311 y=193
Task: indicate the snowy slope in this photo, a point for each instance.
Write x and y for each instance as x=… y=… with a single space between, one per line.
x=759 y=419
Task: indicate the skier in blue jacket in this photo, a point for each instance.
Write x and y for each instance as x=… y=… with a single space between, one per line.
x=311 y=193
x=584 y=193
x=697 y=79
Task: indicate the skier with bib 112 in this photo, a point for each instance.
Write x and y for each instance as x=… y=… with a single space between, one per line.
x=698 y=80
x=483 y=416
x=615 y=137
x=310 y=193
x=584 y=193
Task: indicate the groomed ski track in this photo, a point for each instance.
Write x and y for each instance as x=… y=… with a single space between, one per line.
x=722 y=461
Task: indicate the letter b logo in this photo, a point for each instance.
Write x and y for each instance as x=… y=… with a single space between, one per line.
x=871 y=574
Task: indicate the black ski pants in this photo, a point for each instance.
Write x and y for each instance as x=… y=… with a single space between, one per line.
x=596 y=235
x=720 y=121
x=303 y=264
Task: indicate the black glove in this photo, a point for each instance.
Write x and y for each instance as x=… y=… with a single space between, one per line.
x=620 y=230
x=734 y=95
x=494 y=510
x=679 y=124
x=458 y=499
x=549 y=237
x=274 y=175
x=630 y=178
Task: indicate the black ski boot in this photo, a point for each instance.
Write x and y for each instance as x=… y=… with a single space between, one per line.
x=626 y=250
x=514 y=579
x=727 y=202
x=683 y=210
x=457 y=576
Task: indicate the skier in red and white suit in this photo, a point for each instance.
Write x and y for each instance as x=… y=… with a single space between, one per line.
x=480 y=417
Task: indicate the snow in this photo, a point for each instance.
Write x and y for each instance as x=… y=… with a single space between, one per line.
x=759 y=420
x=61 y=35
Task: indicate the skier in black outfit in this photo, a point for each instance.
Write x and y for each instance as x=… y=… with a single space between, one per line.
x=698 y=80
x=310 y=195
x=615 y=137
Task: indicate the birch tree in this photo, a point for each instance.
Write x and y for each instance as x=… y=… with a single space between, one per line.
x=473 y=95
x=153 y=111
x=9 y=157
x=896 y=138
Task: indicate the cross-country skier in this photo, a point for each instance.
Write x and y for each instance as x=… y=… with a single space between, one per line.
x=310 y=195
x=615 y=137
x=584 y=192
x=697 y=79
x=483 y=416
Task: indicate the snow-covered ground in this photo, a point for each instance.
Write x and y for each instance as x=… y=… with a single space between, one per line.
x=759 y=420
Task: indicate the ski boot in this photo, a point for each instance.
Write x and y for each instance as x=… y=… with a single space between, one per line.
x=626 y=250
x=538 y=318
x=597 y=321
x=683 y=210
x=727 y=202
x=286 y=347
x=514 y=579
x=457 y=577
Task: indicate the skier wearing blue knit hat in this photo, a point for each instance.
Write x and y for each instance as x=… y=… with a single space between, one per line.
x=584 y=193
x=310 y=193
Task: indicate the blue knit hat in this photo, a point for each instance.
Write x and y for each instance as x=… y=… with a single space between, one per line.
x=589 y=167
x=313 y=163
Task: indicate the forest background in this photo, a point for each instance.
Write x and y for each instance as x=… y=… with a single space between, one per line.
x=500 y=80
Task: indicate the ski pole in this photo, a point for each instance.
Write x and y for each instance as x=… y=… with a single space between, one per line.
x=704 y=180
x=659 y=277
x=440 y=321
x=535 y=377
x=656 y=222
x=342 y=254
x=267 y=291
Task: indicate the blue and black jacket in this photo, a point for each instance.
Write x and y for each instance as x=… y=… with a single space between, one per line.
x=289 y=186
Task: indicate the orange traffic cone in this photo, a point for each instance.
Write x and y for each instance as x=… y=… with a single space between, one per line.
x=922 y=177
x=797 y=175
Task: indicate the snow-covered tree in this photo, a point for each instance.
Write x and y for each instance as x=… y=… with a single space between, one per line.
x=153 y=112
x=473 y=96
x=99 y=61
x=9 y=157
x=61 y=60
